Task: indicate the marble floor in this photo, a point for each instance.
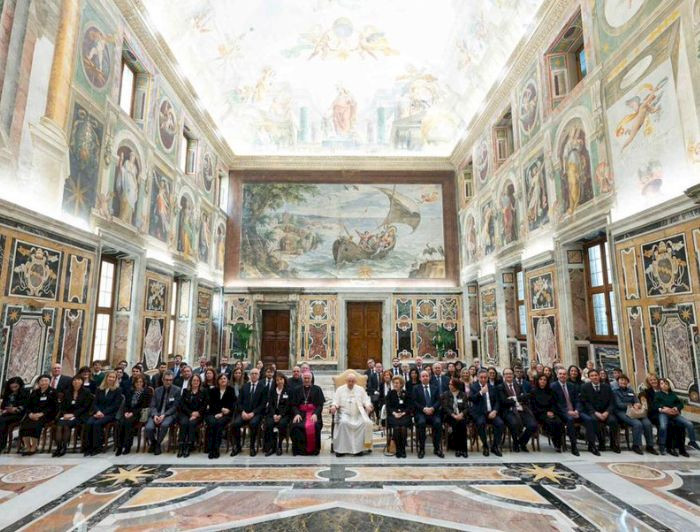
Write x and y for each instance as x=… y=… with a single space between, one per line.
x=524 y=492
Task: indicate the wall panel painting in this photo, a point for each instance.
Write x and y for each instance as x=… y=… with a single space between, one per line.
x=126 y=279
x=545 y=339
x=542 y=292
x=29 y=340
x=403 y=328
x=125 y=191
x=428 y=327
x=536 y=194
x=529 y=108
x=120 y=337
x=35 y=271
x=635 y=324
x=72 y=334
x=489 y=326
x=630 y=279
x=378 y=231
x=77 y=279
x=574 y=164
x=80 y=189
x=317 y=329
x=666 y=266
x=161 y=208
x=156 y=294
x=153 y=341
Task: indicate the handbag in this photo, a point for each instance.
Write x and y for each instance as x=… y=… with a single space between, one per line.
x=635 y=413
x=143 y=417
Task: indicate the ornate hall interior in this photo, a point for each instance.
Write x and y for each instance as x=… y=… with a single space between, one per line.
x=327 y=195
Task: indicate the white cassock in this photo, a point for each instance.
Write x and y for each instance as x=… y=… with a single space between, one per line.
x=353 y=430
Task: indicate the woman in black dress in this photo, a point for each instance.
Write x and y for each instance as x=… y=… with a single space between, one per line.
x=108 y=399
x=544 y=408
x=190 y=414
x=209 y=383
x=219 y=414
x=398 y=414
x=137 y=398
x=41 y=409
x=13 y=406
x=72 y=413
x=574 y=376
x=413 y=380
x=277 y=416
x=455 y=408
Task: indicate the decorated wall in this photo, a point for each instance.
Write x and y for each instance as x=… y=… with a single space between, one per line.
x=318 y=337
x=658 y=268
x=46 y=308
x=156 y=320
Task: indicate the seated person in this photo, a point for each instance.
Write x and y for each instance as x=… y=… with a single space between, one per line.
x=353 y=430
x=426 y=405
x=107 y=401
x=384 y=389
x=190 y=413
x=162 y=412
x=670 y=406
x=597 y=402
x=250 y=407
x=485 y=398
x=221 y=404
x=307 y=422
x=455 y=412
x=73 y=411
x=398 y=414
x=137 y=399
x=626 y=403
x=182 y=381
x=569 y=410
x=12 y=408
x=41 y=409
x=544 y=407
x=515 y=411
x=277 y=416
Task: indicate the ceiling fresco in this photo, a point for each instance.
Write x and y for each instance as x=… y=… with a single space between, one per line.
x=318 y=77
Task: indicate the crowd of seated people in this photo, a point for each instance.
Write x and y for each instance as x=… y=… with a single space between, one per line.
x=209 y=403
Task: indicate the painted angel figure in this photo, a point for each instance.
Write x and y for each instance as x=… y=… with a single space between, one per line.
x=643 y=106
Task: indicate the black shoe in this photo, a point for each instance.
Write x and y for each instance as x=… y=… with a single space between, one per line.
x=694 y=445
x=236 y=450
x=486 y=451
x=683 y=452
x=673 y=452
x=465 y=454
x=211 y=455
x=180 y=450
x=439 y=453
x=637 y=449
x=118 y=451
x=602 y=448
x=127 y=450
x=253 y=451
x=662 y=451
x=157 y=450
x=56 y=452
x=421 y=453
x=557 y=449
x=495 y=450
x=593 y=450
x=616 y=449
x=523 y=447
x=269 y=452
x=458 y=454
x=574 y=451
x=186 y=451
x=650 y=449
x=279 y=451
x=516 y=447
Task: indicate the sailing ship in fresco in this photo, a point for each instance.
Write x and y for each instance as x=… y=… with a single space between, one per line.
x=379 y=244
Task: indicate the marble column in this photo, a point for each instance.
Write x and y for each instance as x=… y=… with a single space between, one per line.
x=50 y=162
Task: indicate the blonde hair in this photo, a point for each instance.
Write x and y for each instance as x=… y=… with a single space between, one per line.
x=104 y=385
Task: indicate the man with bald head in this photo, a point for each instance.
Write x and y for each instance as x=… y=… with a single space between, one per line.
x=426 y=405
x=249 y=411
x=353 y=430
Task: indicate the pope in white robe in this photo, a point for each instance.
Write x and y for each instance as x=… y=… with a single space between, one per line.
x=353 y=428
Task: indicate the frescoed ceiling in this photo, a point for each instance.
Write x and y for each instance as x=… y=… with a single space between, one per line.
x=362 y=77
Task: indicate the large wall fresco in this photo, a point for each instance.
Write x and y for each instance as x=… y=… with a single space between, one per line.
x=659 y=276
x=45 y=308
x=382 y=231
x=543 y=315
x=292 y=79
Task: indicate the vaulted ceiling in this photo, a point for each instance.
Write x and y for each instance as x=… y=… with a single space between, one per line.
x=358 y=77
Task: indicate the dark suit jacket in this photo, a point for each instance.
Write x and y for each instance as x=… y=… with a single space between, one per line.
x=279 y=405
x=373 y=382
x=216 y=402
x=444 y=382
x=419 y=402
x=156 y=381
x=561 y=399
x=447 y=403
x=64 y=383
x=144 y=400
x=525 y=385
x=398 y=402
x=173 y=400
x=383 y=393
x=228 y=370
x=268 y=389
x=79 y=407
x=248 y=402
x=601 y=401
x=45 y=403
x=479 y=401
x=190 y=402
x=507 y=402
x=108 y=401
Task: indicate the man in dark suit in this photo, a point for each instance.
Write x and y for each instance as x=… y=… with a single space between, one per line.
x=598 y=404
x=182 y=381
x=426 y=402
x=521 y=379
x=249 y=411
x=486 y=406
x=374 y=383
x=202 y=368
x=157 y=379
x=269 y=382
x=161 y=413
x=295 y=381
x=225 y=368
x=439 y=380
x=370 y=367
x=60 y=383
x=177 y=366
x=396 y=367
x=569 y=409
x=516 y=412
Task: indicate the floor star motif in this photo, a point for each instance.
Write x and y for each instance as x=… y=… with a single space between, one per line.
x=538 y=473
x=133 y=476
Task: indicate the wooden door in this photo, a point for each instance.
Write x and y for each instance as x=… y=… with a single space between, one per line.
x=364 y=333
x=275 y=338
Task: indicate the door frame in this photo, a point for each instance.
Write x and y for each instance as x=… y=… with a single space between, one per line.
x=258 y=308
x=361 y=297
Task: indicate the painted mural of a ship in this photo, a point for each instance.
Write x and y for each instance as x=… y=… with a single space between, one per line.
x=380 y=243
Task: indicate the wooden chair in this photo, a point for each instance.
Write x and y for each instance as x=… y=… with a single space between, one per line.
x=10 y=436
x=338 y=381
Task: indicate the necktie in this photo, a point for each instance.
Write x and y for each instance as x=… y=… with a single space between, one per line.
x=54 y=382
x=426 y=390
x=569 y=406
x=596 y=388
x=164 y=400
x=512 y=391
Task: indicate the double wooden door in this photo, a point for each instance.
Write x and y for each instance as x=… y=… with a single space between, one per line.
x=364 y=333
x=275 y=338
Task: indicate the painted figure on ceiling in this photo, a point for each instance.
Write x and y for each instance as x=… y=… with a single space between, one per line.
x=204 y=231
x=575 y=163
x=220 y=246
x=160 y=209
x=185 y=232
x=508 y=214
